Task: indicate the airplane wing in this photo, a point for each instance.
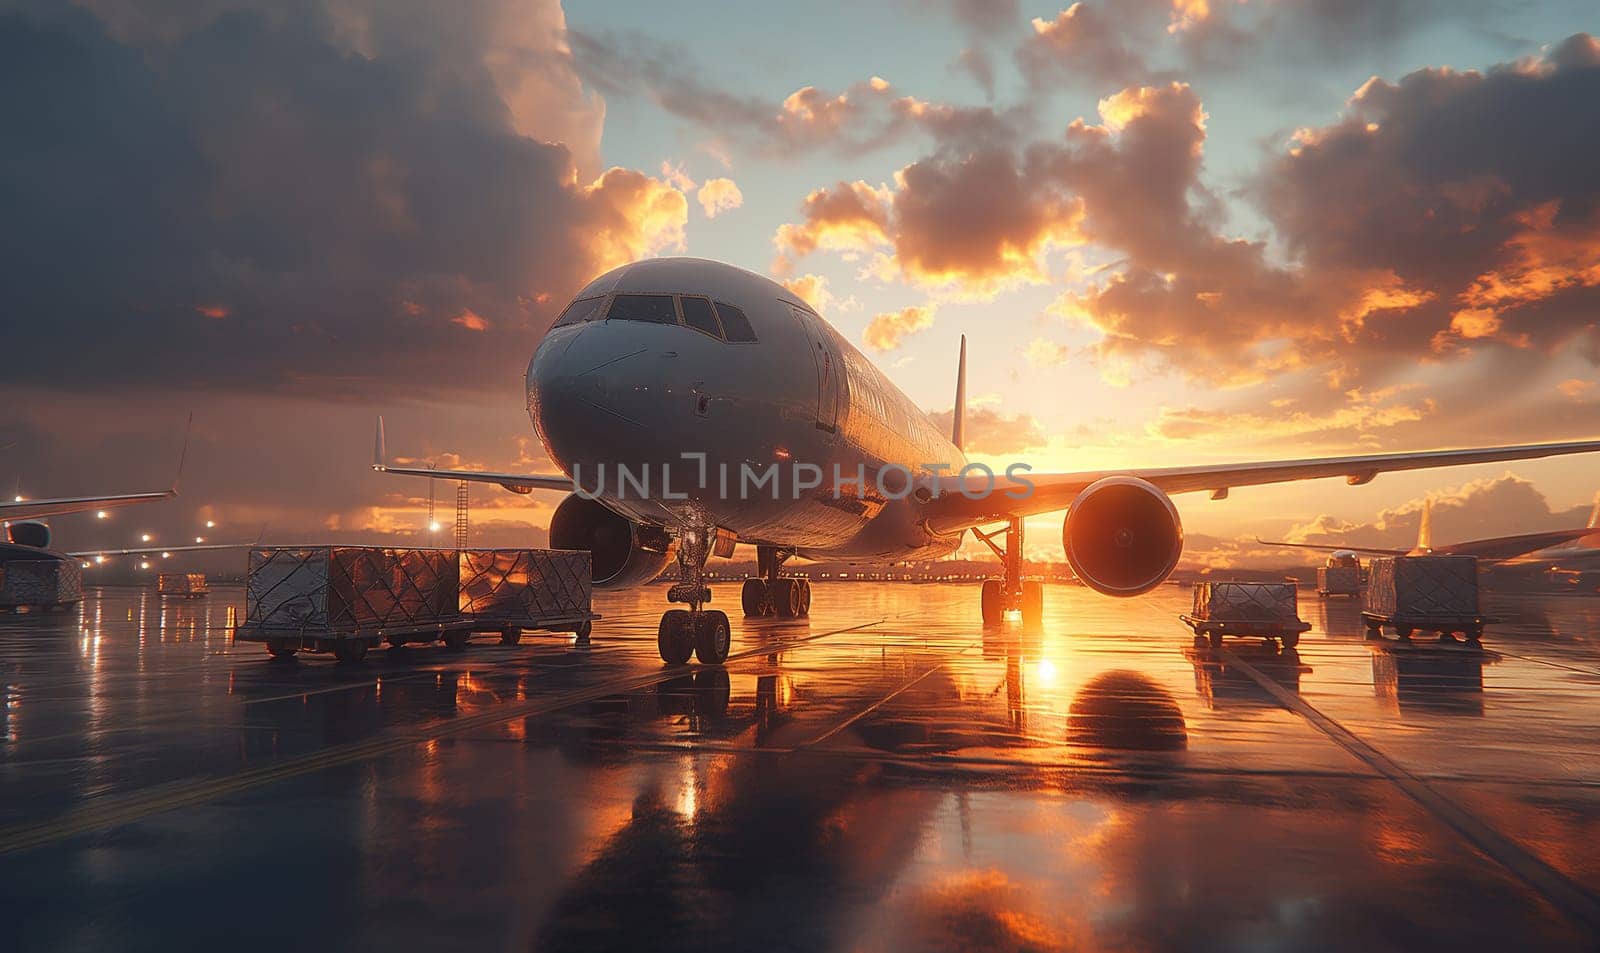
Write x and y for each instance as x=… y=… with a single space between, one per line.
x=34 y=509
x=1324 y=548
x=515 y=482
x=952 y=509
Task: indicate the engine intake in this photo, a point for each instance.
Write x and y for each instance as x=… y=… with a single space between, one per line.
x=624 y=553
x=1122 y=536
x=29 y=533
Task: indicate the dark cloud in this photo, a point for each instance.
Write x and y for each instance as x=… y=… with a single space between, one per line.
x=314 y=199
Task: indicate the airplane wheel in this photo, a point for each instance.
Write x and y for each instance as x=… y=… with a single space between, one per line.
x=785 y=597
x=804 y=585
x=754 y=597
x=993 y=603
x=350 y=650
x=674 y=639
x=711 y=638
x=1032 y=601
x=281 y=650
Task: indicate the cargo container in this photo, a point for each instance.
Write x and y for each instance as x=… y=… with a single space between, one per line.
x=40 y=584
x=348 y=599
x=182 y=585
x=1267 y=609
x=1340 y=576
x=1424 y=593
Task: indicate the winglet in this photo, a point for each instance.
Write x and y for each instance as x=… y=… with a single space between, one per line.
x=184 y=453
x=958 y=424
x=380 y=455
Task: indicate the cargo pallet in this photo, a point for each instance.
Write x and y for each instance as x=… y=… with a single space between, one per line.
x=348 y=599
x=1428 y=593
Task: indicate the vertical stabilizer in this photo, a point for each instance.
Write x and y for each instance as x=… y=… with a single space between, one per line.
x=1594 y=514
x=1425 y=528
x=958 y=424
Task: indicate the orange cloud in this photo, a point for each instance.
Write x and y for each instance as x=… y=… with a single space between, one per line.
x=718 y=196
x=636 y=216
x=215 y=311
x=1043 y=352
x=812 y=289
x=885 y=331
x=470 y=320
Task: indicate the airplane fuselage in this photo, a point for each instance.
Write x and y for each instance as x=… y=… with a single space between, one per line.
x=684 y=392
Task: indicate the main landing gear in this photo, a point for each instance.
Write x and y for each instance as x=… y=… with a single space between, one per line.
x=1011 y=593
x=704 y=633
x=772 y=594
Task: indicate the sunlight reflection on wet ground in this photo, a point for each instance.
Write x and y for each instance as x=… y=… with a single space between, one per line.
x=885 y=775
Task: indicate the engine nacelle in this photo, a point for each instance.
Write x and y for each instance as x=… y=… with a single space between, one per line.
x=624 y=553
x=1122 y=536
x=29 y=533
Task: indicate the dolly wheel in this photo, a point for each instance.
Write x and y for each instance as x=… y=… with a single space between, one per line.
x=281 y=650
x=510 y=635
x=1289 y=639
x=350 y=650
x=456 y=641
x=581 y=633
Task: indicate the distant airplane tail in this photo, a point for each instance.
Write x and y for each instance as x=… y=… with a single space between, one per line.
x=1425 y=528
x=958 y=424
x=1594 y=514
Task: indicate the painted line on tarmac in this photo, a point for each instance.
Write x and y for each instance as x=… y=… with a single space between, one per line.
x=1556 y=888
x=116 y=811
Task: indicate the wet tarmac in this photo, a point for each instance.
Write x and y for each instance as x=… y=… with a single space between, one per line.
x=885 y=775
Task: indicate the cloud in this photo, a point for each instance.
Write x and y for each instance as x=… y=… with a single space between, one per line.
x=1506 y=505
x=812 y=289
x=1043 y=352
x=988 y=432
x=718 y=196
x=885 y=331
x=318 y=193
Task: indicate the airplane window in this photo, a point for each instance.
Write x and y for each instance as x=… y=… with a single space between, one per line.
x=697 y=314
x=657 y=309
x=737 y=325
x=584 y=309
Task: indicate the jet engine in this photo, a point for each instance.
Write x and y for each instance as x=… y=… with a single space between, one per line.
x=1122 y=536
x=624 y=553
x=29 y=533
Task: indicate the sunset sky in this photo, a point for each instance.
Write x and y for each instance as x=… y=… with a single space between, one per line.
x=1173 y=232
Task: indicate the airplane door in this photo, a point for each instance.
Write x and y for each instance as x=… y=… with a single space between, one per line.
x=826 y=361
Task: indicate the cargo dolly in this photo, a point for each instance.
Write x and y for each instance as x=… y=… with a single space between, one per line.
x=347 y=600
x=1424 y=593
x=1260 y=609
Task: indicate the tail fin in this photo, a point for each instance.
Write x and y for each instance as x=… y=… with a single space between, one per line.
x=1594 y=514
x=958 y=425
x=1425 y=528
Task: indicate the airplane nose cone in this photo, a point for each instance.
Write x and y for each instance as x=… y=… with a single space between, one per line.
x=573 y=397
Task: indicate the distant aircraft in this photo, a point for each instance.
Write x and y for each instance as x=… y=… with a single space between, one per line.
x=1495 y=549
x=709 y=374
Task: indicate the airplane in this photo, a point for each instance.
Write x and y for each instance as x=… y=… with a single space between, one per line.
x=719 y=380
x=1495 y=549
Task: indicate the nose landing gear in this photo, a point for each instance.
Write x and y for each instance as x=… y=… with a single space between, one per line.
x=704 y=633
x=771 y=594
x=1012 y=593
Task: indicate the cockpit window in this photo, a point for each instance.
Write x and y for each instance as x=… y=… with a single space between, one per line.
x=735 y=324
x=656 y=309
x=584 y=309
x=697 y=314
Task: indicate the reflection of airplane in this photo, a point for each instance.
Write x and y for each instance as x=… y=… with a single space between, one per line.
x=700 y=405
x=1489 y=550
